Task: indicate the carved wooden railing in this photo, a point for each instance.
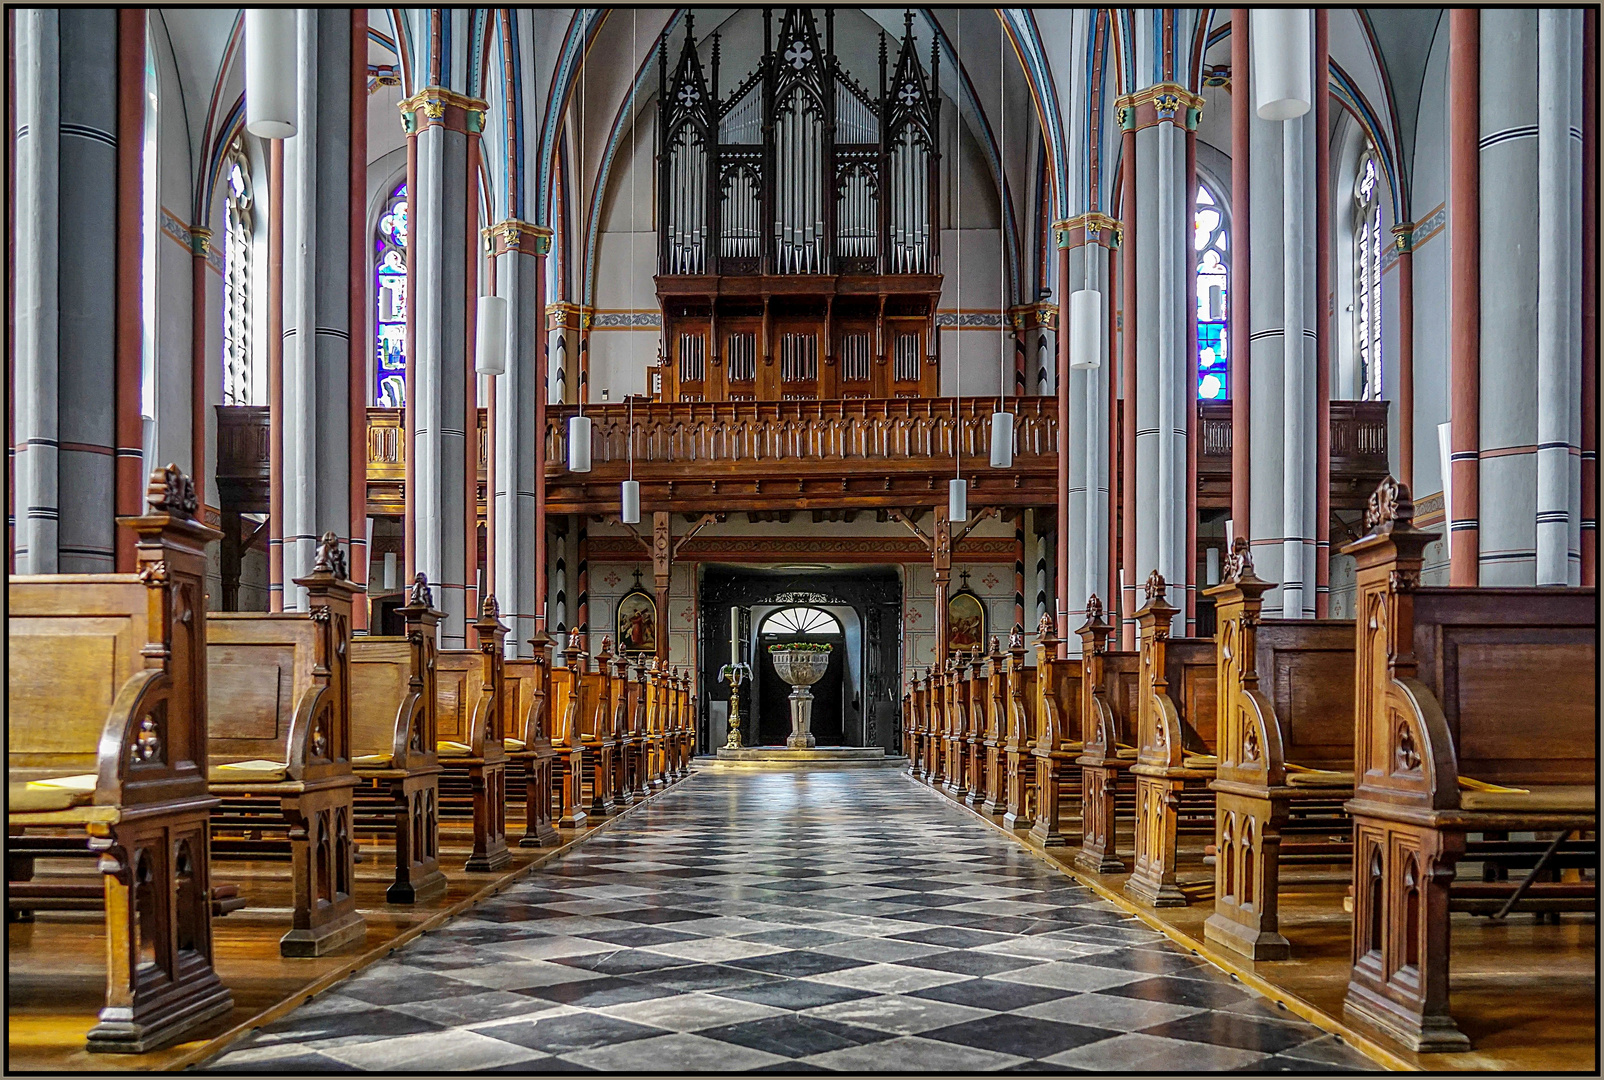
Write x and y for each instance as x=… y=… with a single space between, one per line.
x=1358 y=450
x=731 y=434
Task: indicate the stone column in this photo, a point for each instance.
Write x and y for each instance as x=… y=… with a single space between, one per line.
x=1162 y=115
x=520 y=249
x=1464 y=294
x=1086 y=246
x=439 y=391
x=316 y=477
x=1241 y=345
x=1559 y=263
x=1281 y=410
x=65 y=323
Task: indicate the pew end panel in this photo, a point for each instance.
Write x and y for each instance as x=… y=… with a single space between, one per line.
x=471 y=692
x=1446 y=700
x=106 y=738
x=530 y=699
x=394 y=735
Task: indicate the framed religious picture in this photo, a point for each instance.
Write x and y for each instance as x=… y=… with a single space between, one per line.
x=966 y=621
x=637 y=623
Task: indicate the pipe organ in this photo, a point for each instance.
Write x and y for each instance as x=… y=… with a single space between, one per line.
x=798 y=243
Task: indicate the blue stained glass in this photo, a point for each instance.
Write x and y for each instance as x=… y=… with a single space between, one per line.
x=390 y=323
x=1210 y=241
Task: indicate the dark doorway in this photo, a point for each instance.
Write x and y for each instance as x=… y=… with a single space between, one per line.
x=774 y=695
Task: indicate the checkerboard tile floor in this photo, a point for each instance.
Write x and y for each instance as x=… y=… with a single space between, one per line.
x=790 y=922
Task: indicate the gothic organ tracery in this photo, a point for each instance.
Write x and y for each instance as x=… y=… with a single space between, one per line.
x=798 y=251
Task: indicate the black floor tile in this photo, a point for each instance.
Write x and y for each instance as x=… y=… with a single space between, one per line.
x=991 y=994
x=568 y=1033
x=1011 y=1034
x=1234 y=1029
x=796 y=963
x=794 y=994
x=1194 y=992
x=794 y=1036
x=596 y=993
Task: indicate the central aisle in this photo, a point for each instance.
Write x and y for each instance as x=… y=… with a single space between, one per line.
x=840 y=920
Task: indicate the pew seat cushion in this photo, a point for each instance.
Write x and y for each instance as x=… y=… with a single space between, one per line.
x=512 y=744
x=57 y=793
x=1303 y=776
x=447 y=748
x=255 y=771
x=371 y=761
x=1554 y=798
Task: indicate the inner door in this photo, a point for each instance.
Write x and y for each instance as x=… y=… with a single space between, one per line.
x=740 y=357
x=798 y=352
x=860 y=370
x=688 y=365
x=911 y=375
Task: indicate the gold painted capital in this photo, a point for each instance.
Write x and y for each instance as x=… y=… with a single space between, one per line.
x=1088 y=228
x=1160 y=103
x=520 y=236
x=200 y=240
x=1404 y=236
x=436 y=106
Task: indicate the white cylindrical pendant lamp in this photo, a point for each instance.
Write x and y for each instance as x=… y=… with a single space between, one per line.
x=1283 y=59
x=958 y=500
x=490 y=342
x=579 y=444
x=1085 y=329
x=1002 y=440
x=270 y=72
x=631 y=503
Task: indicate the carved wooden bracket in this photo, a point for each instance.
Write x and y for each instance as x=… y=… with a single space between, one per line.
x=913 y=527
x=985 y=512
x=702 y=523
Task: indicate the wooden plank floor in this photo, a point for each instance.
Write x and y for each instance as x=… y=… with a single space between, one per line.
x=1525 y=994
x=55 y=982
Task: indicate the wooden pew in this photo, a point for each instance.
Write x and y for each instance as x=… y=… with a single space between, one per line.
x=528 y=744
x=471 y=687
x=393 y=736
x=570 y=694
x=1058 y=734
x=279 y=726
x=935 y=724
x=957 y=728
x=656 y=721
x=1285 y=723
x=596 y=732
x=972 y=748
x=1493 y=684
x=616 y=719
x=993 y=722
x=1020 y=812
x=1177 y=714
x=1108 y=687
x=683 y=720
x=910 y=723
x=106 y=741
x=634 y=731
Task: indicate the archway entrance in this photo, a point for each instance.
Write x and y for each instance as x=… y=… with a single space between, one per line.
x=858 y=611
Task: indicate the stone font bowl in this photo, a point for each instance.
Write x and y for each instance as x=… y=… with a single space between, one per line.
x=801 y=667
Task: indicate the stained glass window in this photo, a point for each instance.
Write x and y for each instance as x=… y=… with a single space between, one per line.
x=801 y=620
x=1211 y=241
x=237 y=222
x=390 y=247
x=1367 y=251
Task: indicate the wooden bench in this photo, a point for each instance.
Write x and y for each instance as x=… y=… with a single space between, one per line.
x=910 y=723
x=596 y=732
x=106 y=747
x=1020 y=812
x=1109 y=684
x=1058 y=735
x=279 y=726
x=633 y=728
x=682 y=720
x=621 y=710
x=656 y=725
x=1490 y=684
x=1176 y=712
x=935 y=725
x=394 y=729
x=1285 y=747
x=471 y=685
x=528 y=743
x=570 y=697
x=958 y=728
x=994 y=796
x=978 y=686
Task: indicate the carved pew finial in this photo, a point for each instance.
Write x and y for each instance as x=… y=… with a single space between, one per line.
x=1239 y=561
x=490 y=609
x=1016 y=638
x=421 y=594
x=1094 y=609
x=170 y=491
x=1047 y=629
x=1155 y=588
x=330 y=559
x=1390 y=507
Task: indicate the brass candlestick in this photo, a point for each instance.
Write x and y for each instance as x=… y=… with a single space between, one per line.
x=735 y=675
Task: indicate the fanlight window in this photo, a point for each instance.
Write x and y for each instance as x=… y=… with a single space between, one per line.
x=801 y=620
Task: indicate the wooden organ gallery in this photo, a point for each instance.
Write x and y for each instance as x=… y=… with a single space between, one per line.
x=799 y=246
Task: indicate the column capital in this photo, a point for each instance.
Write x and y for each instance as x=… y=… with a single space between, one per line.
x=1160 y=103
x=1039 y=316
x=565 y=316
x=1404 y=236
x=1089 y=228
x=519 y=236
x=435 y=106
x=200 y=241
